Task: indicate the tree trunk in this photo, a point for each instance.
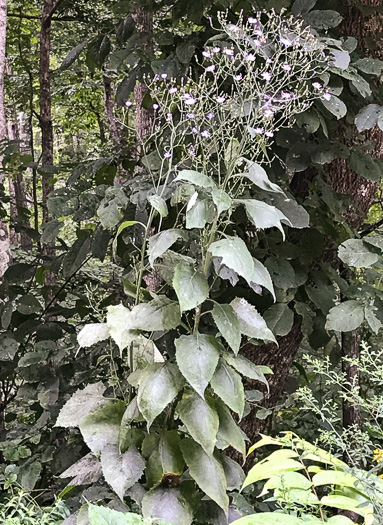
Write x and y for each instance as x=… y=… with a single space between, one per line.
x=144 y=24
x=343 y=180
x=17 y=194
x=46 y=125
x=5 y=253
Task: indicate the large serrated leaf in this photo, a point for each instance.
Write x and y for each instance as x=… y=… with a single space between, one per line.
x=200 y=418
x=354 y=252
x=159 y=243
x=229 y=432
x=251 y=322
x=168 y=504
x=82 y=403
x=263 y=215
x=258 y=176
x=227 y=384
x=345 y=317
x=228 y=324
x=197 y=357
x=235 y=255
x=159 y=385
x=245 y=367
x=101 y=428
x=92 y=333
x=121 y=471
x=207 y=471
x=191 y=286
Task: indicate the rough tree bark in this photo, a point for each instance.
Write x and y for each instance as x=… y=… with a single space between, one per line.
x=362 y=191
x=5 y=253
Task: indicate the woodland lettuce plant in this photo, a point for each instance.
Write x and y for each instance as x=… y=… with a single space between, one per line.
x=158 y=438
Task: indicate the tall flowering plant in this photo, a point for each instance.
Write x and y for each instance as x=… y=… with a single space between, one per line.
x=160 y=440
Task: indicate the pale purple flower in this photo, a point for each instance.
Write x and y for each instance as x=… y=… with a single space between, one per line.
x=155 y=106
x=317 y=85
x=326 y=96
x=285 y=95
x=190 y=115
x=256 y=42
x=173 y=90
x=190 y=101
x=128 y=103
x=167 y=154
x=269 y=134
x=233 y=27
x=266 y=76
x=228 y=51
x=258 y=131
x=250 y=57
x=209 y=115
x=205 y=134
x=191 y=150
x=238 y=77
x=194 y=130
x=206 y=54
x=216 y=49
x=210 y=69
x=285 y=41
x=251 y=20
x=169 y=115
x=268 y=113
x=286 y=67
x=164 y=75
x=220 y=100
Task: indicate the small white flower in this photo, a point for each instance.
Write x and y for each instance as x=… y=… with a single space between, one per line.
x=228 y=51
x=269 y=134
x=194 y=130
x=173 y=90
x=326 y=96
x=317 y=85
x=155 y=106
x=250 y=57
x=190 y=115
x=268 y=113
x=233 y=27
x=205 y=134
x=258 y=131
x=209 y=115
x=164 y=75
x=210 y=69
x=220 y=100
x=216 y=49
x=238 y=77
x=190 y=101
x=128 y=103
x=167 y=154
x=206 y=54
x=251 y=20
x=285 y=41
x=286 y=67
x=266 y=76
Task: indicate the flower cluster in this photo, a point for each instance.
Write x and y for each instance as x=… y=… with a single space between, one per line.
x=264 y=71
x=378 y=455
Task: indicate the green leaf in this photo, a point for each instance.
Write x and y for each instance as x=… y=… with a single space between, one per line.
x=227 y=384
x=159 y=385
x=72 y=56
x=334 y=477
x=262 y=277
x=101 y=428
x=82 y=403
x=228 y=431
x=232 y=151
x=199 y=179
x=92 y=333
x=121 y=471
x=169 y=453
x=168 y=504
x=8 y=347
x=263 y=215
x=364 y=165
x=207 y=471
x=233 y=472
x=221 y=199
x=76 y=256
x=51 y=231
x=251 y=322
x=258 y=176
x=368 y=117
x=266 y=518
x=335 y=106
x=200 y=418
x=199 y=213
x=373 y=322
x=296 y=213
x=279 y=319
x=160 y=314
x=116 y=320
x=277 y=465
x=197 y=357
x=159 y=243
x=302 y=7
x=124 y=31
x=345 y=317
x=371 y=66
x=106 y=516
x=245 y=367
x=323 y=19
x=191 y=286
x=98 y=50
x=235 y=255
x=228 y=324
x=354 y=252
x=159 y=204
x=346 y=503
